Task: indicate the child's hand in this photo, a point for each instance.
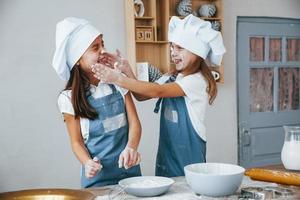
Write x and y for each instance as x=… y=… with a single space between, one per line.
x=109 y=59
x=116 y=61
x=105 y=74
x=92 y=167
x=125 y=68
x=129 y=158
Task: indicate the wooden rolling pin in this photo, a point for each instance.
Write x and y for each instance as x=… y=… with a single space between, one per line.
x=287 y=178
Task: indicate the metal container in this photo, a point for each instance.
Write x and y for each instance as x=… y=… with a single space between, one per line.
x=264 y=193
x=47 y=194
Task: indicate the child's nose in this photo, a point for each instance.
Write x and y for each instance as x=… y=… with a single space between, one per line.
x=173 y=53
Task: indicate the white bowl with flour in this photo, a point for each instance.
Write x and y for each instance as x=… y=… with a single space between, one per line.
x=146 y=186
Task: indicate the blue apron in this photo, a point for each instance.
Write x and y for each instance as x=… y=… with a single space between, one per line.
x=108 y=136
x=179 y=143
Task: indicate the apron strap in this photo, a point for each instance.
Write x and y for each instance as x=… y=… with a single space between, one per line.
x=113 y=88
x=170 y=80
x=157 y=105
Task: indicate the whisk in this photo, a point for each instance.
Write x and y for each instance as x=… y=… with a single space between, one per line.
x=117 y=193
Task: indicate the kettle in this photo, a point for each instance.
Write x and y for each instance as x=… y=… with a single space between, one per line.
x=290 y=154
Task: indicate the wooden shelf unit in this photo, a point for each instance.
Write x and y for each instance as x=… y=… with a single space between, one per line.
x=157 y=15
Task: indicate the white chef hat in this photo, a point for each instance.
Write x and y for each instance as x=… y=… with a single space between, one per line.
x=73 y=37
x=197 y=36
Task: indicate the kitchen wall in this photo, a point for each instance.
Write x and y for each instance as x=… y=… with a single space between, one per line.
x=34 y=145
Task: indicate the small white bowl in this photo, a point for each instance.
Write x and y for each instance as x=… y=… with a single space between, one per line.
x=214 y=179
x=146 y=186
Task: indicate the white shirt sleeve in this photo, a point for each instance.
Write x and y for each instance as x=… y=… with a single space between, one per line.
x=65 y=106
x=162 y=79
x=194 y=86
x=123 y=91
x=64 y=102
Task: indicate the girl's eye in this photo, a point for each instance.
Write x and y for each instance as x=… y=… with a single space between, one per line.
x=96 y=47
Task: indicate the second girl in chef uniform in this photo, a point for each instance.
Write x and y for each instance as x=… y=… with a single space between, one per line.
x=183 y=93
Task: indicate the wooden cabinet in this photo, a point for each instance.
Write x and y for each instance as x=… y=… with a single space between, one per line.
x=147 y=36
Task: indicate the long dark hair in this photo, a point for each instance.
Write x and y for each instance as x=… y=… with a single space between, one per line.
x=79 y=84
x=211 y=89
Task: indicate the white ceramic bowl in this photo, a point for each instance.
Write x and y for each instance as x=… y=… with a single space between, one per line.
x=146 y=186
x=214 y=179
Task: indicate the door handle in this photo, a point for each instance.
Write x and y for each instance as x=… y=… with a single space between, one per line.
x=246 y=137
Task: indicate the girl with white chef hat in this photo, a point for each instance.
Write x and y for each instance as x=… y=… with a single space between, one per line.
x=184 y=92
x=101 y=119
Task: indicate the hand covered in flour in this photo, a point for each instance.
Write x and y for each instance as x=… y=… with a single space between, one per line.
x=129 y=158
x=106 y=74
x=116 y=61
x=92 y=167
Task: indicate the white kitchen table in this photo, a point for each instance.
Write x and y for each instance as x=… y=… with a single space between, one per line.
x=179 y=191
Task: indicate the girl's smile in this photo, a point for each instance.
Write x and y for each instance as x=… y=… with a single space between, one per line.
x=177 y=61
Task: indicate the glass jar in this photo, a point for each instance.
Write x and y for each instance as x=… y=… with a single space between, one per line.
x=290 y=154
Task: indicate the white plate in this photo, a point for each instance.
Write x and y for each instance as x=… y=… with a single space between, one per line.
x=146 y=186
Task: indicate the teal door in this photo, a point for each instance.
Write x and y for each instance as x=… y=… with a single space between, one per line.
x=268 y=81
